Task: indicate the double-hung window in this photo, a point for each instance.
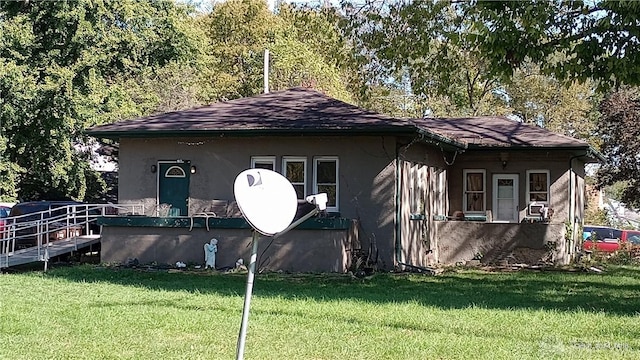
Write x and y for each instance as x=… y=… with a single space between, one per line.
x=295 y=170
x=325 y=180
x=263 y=162
x=538 y=190
x=474 y=199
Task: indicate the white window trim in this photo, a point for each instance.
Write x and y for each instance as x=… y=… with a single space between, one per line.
x=516 y=203
x=263 y=159
x=464 y=190
x=287 y=159
x=548 y=191
x=315 y=179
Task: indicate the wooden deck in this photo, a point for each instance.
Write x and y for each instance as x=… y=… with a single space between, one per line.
x=55 y=248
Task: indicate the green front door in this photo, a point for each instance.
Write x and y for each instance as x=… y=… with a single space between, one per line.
x=173 y=186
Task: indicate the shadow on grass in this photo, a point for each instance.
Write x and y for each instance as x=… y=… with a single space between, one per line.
x=613 y=292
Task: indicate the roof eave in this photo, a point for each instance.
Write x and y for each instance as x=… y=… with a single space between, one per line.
x=439 y=140
x=587 y=151
x=246 y=133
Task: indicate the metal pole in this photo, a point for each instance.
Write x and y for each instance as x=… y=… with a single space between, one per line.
x=252 y=270
x=247 y=297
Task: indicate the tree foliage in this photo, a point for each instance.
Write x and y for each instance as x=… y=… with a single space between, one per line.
x=619 y=128
x=69 y=65
x=568 y=39
x=64 y=66
x=596 y=39
x=305 y=47
x=423 y=41
x=565 y=107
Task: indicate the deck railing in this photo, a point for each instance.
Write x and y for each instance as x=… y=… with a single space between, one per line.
x=39 y=229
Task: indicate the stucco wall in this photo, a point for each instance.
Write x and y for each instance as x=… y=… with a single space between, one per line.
x=296 y=251
x=518 y=163
x=461 y=241
x=366 y=174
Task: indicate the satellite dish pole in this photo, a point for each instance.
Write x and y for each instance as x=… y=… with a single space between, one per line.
x=258 y=192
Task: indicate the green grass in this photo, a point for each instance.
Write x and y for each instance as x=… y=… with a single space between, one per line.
x=90 y=312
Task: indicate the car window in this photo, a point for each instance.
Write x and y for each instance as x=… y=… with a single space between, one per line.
x=634 y=239
x=4 y=212
x=601 y=233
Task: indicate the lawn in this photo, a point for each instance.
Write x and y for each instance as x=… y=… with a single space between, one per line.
x=92 y=312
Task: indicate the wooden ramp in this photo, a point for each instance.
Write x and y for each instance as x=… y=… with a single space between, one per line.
x=55 y=248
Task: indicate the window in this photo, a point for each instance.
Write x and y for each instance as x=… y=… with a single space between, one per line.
x=474 y=191
x=326 y=180
x=263 y=162
x=295 y=170
x=175 y=172
x=538 y=187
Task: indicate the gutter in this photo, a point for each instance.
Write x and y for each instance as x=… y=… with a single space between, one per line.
x=436 y=139
x=116 y=134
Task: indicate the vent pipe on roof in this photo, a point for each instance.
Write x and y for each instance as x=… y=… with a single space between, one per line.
x=266 y=71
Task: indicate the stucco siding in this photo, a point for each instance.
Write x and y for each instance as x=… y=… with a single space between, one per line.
x=461 y=241
x=296 y=251
x=366 y=175
x=518 y=163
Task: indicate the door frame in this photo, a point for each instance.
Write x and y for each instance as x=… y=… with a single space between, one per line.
x=185 y=166
x=516 y=198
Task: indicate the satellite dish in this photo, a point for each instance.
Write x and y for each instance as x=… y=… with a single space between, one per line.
x=266 y=199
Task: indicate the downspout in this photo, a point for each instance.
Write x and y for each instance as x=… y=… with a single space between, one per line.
x=398 y=210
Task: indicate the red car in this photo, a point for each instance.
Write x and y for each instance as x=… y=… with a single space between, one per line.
x=608 y=239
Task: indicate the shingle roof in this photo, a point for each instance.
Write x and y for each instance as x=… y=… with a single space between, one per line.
x=301 y=111
x=296 y=110
x=495 y=131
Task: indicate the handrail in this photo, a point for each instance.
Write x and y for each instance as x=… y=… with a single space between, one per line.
x=39 y=227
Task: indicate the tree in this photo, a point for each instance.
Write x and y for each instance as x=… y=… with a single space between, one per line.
x=566 y=107
x=454 y=54
x=597 y=39
x=65 y=65
x=423 y=41
x=619 y=128
x=305 y=45
x=238 y=32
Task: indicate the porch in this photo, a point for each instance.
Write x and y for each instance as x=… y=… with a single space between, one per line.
x=320 y=244
x=492 y=243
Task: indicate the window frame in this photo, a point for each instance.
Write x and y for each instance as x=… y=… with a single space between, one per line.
x=529 y=192
x=465 y=204
x=335 y=159
x=263 y=159
x=303 y=160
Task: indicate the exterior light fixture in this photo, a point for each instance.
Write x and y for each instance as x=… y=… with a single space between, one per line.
x=193 y=169
x=504 y=157
x=154 y=168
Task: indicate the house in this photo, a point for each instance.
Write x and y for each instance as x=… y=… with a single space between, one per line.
x=403 y=193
